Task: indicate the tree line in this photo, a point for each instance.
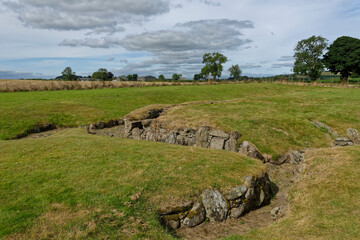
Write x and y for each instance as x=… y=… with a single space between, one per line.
x=342 y=57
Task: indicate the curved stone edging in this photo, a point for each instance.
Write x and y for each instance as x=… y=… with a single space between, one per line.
x=217 y=207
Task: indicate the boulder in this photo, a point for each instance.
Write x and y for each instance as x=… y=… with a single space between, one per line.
x=92 y=129
x=136 y=133
x=250 y=150
x=202 y=136
x=249 y=181
x=175 y=209
x=237 y=212
x=343 y=141
x=218 y=133
x=170 y=138
x=196 y=216
x=217 y=143
x=150 y=135
x=292 y=157
x=216 y=206
x=100 y=125
x=231 y=144
x=353 y=134
x=129 y=126
x=236 y=193
x=146 y=123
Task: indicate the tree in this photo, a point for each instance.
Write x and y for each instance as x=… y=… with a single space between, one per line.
x=197 y=77
x=308 y=53
x=161 y=77
x=101 y=74
x=343 y=57
x=135 y=77
x=110 y=76
x=235 y=71
x=176 y=76
x=68 y=74
x=213 y=64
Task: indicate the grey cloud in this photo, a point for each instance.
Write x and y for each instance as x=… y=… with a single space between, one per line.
x=211 y=2
x=221 y=34
x=106 y=42
x=95 y=15
x=250 y=66
x=110 y=59
x=8 y=74
x=282 y=65
x=181 y=49
x=286 y=58
x=123 y=60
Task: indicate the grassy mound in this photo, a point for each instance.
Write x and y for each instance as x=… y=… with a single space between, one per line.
x=21 y=111
x=326 y=203
x=75 y=185
x=276 y=123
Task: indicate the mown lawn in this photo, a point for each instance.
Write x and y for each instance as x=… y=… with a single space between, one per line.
x=325 y=204
x=72 y=185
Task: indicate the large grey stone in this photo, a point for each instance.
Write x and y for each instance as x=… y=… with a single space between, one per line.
x=216 y=206
x=136 y=133
x=237 y=212
x=202 y=136
x=231 y=144
x=129 y=126
x=353 y=134
x=219 y=133
x=342 y=142
x=150 y=135
x=236 y=193
x=92 y=129
x=196 y=216
x=171 y=138
x=250 y=150
x=292 y=157
x=217 y=143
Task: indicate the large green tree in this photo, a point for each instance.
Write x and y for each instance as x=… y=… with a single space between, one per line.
x=101 y=74
x=213 y=64
x=235 y=71
x=176 y=76
x=343 y=57
x=308 y=53
x=68 y=74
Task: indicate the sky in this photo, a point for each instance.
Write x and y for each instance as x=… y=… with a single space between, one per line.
x=40 y=38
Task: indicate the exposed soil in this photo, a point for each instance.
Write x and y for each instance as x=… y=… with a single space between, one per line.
x=44 y=134
x=283 y=176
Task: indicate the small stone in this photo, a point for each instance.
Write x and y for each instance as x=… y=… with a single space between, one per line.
x=277 y=212
x=174 y=224
x=100 y=125
x=92 y=128
x=249 y=181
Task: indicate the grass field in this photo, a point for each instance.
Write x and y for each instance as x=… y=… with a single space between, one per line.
x=74 y=185
x=325 y=204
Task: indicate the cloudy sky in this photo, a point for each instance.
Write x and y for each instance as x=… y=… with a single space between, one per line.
x=152 y=37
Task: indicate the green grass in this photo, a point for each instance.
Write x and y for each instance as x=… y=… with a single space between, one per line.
x=277 y=122
x=325 y=204
x=75 y=185
x=22 y=110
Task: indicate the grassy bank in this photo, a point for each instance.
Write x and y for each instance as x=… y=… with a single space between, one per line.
x=277 y=122
x=22 y=110
x=74 y=185
x=325 y=204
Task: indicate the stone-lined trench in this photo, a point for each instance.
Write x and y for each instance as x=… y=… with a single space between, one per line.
x=213 y=205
